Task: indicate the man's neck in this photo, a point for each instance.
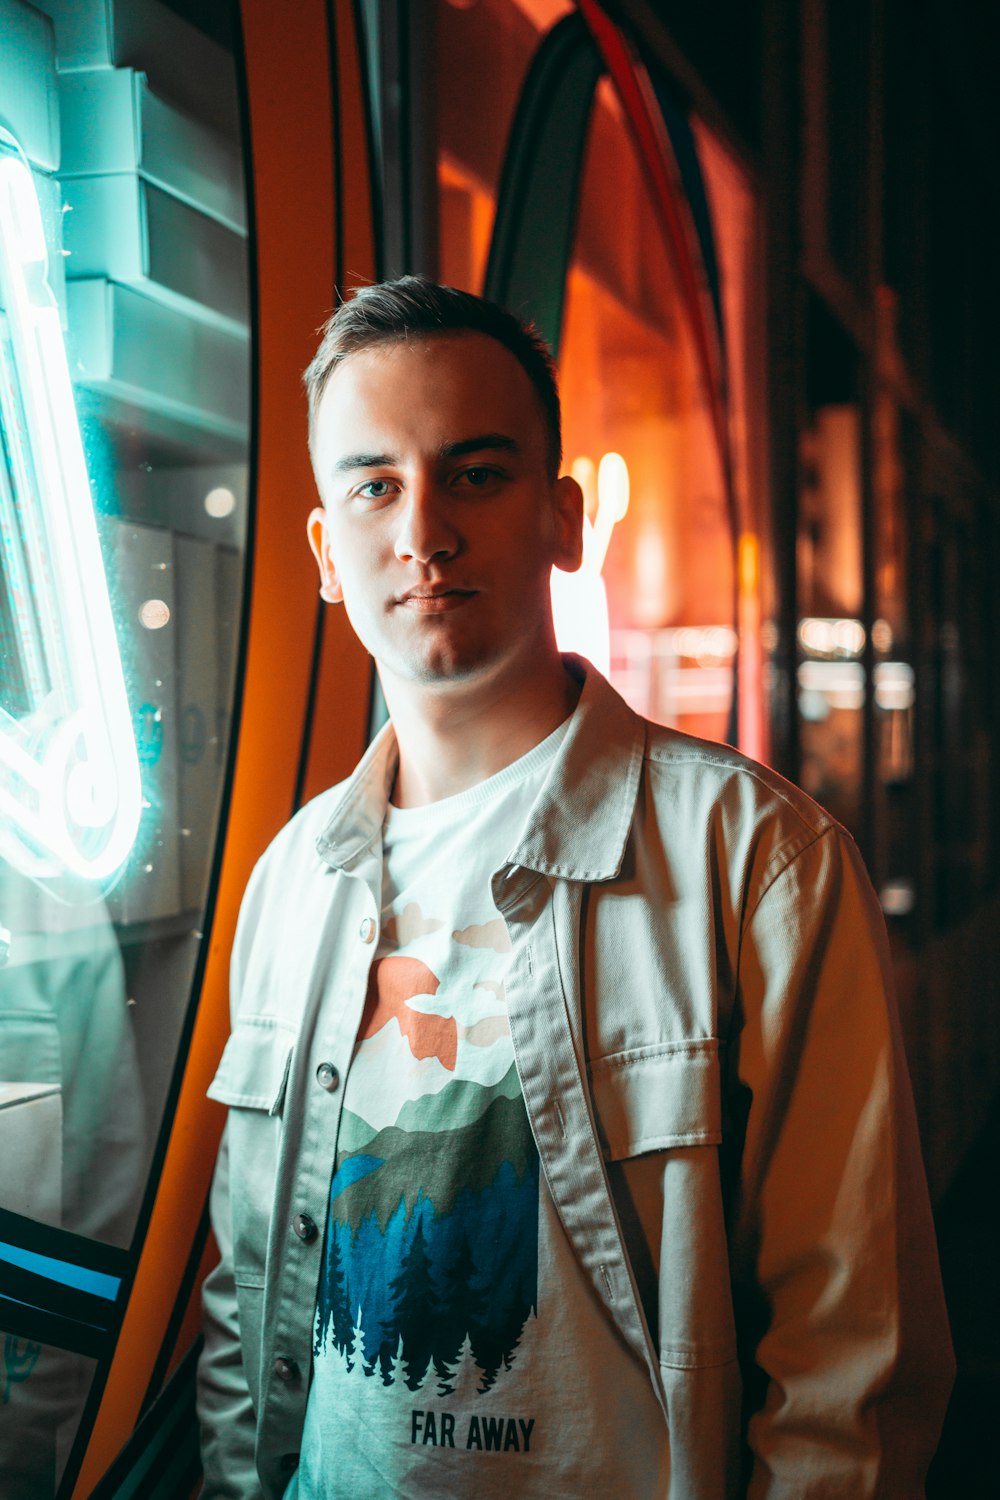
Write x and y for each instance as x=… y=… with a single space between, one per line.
x=455 y=736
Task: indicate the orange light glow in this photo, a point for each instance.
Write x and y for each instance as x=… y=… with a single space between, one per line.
x=580 y=600
x=751 y=658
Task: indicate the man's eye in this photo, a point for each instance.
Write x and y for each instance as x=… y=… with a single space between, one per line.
x=479 y=476
x=375 y=489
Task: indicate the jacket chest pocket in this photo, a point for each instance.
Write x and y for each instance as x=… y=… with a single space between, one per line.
x=251 y=1080
x=659 y=1116
x=657 y=1098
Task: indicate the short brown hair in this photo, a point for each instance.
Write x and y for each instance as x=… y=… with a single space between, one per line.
x=392 y=311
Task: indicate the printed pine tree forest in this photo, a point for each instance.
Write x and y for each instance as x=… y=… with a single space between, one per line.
x=431 y=1261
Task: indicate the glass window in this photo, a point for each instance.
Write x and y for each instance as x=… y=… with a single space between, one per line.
x=43 y=1391
x=831 y=631
x=124 y=427
x=959 y=673
x=893 y=472
x=654 y=603
x=732 y=220
x=473 y=131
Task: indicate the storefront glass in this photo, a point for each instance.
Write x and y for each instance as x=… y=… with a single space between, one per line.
x=124 y=428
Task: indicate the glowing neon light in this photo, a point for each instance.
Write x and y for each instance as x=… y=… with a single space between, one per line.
x=580 y=600
x=70 y=792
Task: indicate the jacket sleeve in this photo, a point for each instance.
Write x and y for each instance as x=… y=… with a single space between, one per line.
x=844 y=1337
x=225 y=1409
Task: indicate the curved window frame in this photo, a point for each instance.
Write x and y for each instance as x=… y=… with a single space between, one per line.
x=536 y=212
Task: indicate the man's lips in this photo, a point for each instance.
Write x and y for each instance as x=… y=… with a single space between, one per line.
x=428 y=599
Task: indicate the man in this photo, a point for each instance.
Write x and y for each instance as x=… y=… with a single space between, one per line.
x=570 y=1149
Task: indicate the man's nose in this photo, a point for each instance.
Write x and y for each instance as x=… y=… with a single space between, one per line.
x=426 y=529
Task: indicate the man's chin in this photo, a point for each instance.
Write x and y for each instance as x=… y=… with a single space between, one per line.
x=440 y=668
x=456 y=670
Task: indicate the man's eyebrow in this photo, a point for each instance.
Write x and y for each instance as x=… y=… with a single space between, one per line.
x=481 y=443
x=364 y=461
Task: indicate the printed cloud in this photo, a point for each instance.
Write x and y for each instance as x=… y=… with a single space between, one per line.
x=409 y=924
x=485 y=1032
x=485 y=935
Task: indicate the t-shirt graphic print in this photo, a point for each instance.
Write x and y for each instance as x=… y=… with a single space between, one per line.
x=431 y=1261
x=459 y=1347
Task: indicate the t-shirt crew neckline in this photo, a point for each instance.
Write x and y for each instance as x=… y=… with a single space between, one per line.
x=400 y=818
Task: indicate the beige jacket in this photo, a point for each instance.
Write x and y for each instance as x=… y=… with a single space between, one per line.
x=714 y=1075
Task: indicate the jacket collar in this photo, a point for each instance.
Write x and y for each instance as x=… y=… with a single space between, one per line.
x=579 y=824
x=580 y=821
x=357 y=818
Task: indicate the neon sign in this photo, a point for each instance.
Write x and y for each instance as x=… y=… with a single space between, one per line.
x=580 y=600
x=70 y=790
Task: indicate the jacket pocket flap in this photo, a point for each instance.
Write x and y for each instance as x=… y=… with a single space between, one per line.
x=253 y=1072
x=652 y=1098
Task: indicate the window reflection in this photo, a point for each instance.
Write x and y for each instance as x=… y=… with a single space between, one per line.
x=733 y=220
x=895 y=696
x=123 y=488
x=654 y=605
x=472 y=139
x=42 y=1391
x=632 y=387
x=73 y=1131
x=831 y=633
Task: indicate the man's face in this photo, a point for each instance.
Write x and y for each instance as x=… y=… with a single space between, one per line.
x=440 y=524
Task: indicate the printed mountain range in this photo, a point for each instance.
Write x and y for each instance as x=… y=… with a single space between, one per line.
x=431 y=1256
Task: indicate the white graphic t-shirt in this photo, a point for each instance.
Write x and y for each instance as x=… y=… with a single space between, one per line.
x=459 y=1348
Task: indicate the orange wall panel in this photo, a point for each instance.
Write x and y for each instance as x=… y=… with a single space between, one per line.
x=339 y=723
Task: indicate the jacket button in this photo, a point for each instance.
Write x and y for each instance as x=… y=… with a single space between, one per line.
x=305 y=1227
x=327 y=1077
x=286 y=1369
x=367 y=930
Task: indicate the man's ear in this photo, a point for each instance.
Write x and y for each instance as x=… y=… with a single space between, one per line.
x=329 y=581
x=567 y=503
